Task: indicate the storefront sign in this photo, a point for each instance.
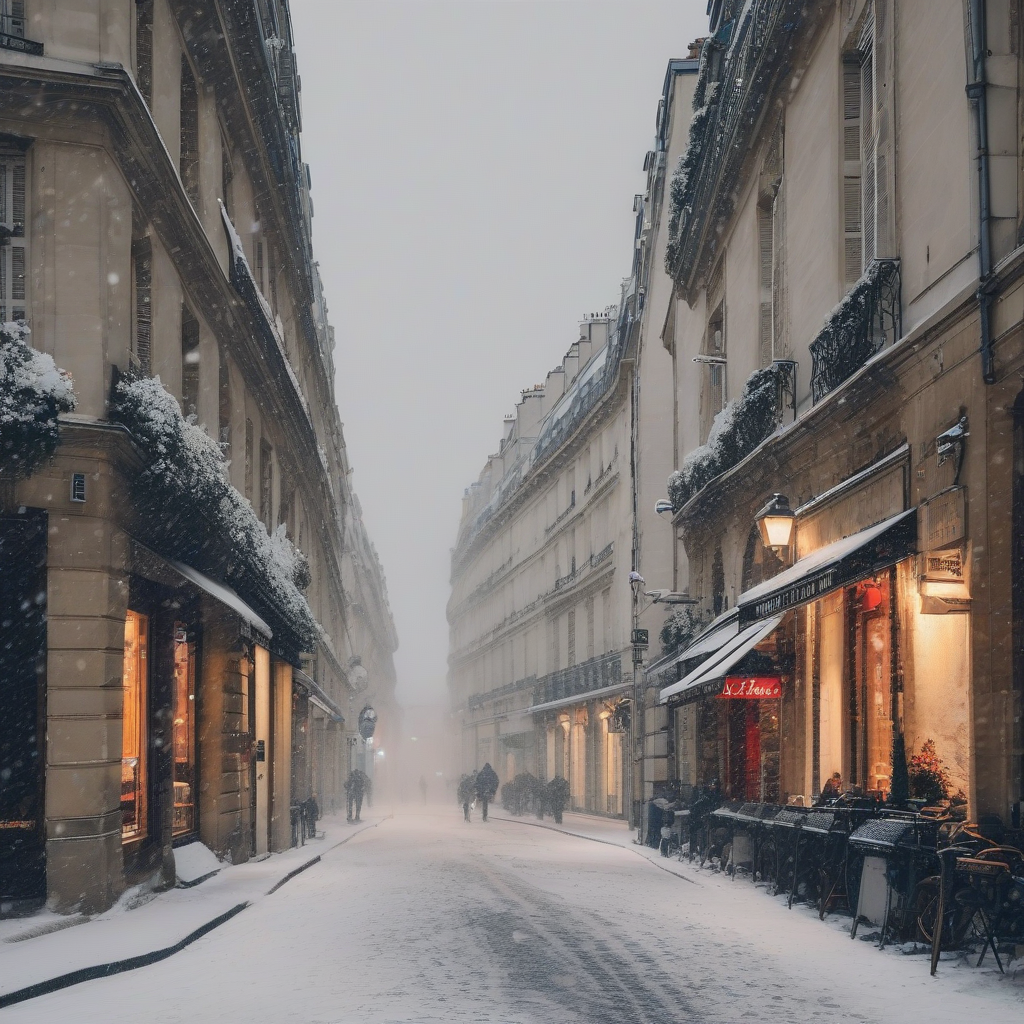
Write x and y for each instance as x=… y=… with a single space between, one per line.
x=941 y=519
x=885 y=549
x=943 y=566
x=751 y=688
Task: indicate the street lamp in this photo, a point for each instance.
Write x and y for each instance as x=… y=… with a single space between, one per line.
x=775 y=523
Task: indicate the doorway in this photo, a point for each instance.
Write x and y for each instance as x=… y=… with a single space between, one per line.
x=261 y=751
x=23 y=722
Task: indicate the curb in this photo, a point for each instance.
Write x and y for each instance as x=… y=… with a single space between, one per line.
x=42 y=988
x=603 y=842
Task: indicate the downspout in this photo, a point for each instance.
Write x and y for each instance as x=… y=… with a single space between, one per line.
x=977 y=93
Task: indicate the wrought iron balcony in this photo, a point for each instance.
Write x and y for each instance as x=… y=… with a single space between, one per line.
x=592 y=674
x=865 y=322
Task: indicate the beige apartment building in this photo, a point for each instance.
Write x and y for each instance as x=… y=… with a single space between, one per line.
x=177 y=673
x=539 y=656
x=846 y=332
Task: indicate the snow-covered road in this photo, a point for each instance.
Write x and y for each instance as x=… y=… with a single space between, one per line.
x=426 y=918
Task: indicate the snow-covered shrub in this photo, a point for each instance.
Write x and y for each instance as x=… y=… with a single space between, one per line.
x=33 y=392
x=683 y=178
x=680 y=629
x=195 y=514
x=736 y=431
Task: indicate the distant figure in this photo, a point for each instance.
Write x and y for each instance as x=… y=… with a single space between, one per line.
x=467 y=793
x=355 y=789
x=832 y=789
x=557 y=797
x=486 y=786
x=423 y=787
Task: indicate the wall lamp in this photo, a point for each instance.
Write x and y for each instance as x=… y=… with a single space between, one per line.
x=775 y=523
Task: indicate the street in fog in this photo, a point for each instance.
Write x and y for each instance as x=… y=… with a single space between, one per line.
x=425 y=918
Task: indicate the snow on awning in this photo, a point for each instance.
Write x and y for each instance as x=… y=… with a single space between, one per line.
x=582 y=698
x=222 y=593
x=317 y=694
x=836 y=565
x=712 y=639
x=708 y=678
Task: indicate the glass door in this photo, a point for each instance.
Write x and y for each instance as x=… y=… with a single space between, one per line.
x=184 y=731
x=134 y=734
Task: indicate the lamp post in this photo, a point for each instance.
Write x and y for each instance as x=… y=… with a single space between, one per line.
x=636 y=584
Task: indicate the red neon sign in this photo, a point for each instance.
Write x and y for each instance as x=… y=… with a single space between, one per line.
x=751 y=688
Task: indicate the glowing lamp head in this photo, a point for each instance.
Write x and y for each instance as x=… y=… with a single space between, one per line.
x=775 y=523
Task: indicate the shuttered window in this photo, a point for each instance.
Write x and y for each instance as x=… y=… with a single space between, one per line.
x=144 y=49
x=188 y=165
x=142 y=289
x=766 y=253
x=223 y=402
x=266 y=484
x=853 y=237
x=189 y=362
x=869 y=229
x=13 y=257
x=249 y=459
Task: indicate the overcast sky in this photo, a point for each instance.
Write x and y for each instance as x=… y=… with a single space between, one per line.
x=474 y=165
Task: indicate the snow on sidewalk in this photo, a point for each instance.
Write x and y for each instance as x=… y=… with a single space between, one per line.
x=143 y=922
x=752 y=902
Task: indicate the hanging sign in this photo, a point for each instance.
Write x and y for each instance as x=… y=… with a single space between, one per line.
x=751 y=688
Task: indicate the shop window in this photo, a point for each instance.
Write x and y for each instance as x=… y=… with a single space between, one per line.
x=184 y=732
x=871 y=695
x=133 y=730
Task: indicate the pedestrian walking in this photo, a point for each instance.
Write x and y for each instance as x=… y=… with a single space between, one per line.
x=486 y=786
x=355 y=790
x=423 y=787
x=467 y=793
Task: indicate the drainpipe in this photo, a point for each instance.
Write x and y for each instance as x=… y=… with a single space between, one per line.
x=977 y=93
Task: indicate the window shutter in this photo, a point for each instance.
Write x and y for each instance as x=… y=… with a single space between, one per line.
x=778 y=272
x=13 y=256
x=853 y=207
x=189 y=362
x=18 y=198
x=885 y=233
x=144 y=49
x=189 y=156
x=142 y=267
x=766 y=252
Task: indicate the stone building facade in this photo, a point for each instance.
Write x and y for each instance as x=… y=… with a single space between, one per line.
x=846 y=258
x=159 y=228
x=539 y=613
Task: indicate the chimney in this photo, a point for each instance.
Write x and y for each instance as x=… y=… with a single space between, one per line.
x=695 y=47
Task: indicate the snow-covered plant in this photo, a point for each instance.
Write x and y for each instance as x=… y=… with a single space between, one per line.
x=683 y=179
x=196 y=515
x=736 y=431
x=680 y=629
x=33 y=392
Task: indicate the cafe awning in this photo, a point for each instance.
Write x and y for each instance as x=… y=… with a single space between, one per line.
x=317 y=695
x=708 y=678
x=712 y=639
x=836 y=565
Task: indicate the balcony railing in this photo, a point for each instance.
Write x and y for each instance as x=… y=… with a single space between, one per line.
x=589 y=675
x=865 y=322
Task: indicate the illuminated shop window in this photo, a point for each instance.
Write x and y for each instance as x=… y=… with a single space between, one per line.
x=133 y=732
x=184 y=731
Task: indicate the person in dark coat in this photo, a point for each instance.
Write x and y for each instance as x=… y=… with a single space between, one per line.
x=355 y=789
x=467 y=793
x=486 y=786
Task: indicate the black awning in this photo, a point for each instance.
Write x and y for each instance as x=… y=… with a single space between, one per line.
x=317 y=695
x=836 y=565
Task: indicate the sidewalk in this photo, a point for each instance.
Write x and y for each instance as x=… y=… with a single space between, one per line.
x=145 y=926
x=743 y=900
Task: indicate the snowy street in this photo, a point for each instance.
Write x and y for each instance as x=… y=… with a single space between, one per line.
x=426 y=918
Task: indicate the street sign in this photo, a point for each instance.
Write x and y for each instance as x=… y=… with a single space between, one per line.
x=641 y=638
